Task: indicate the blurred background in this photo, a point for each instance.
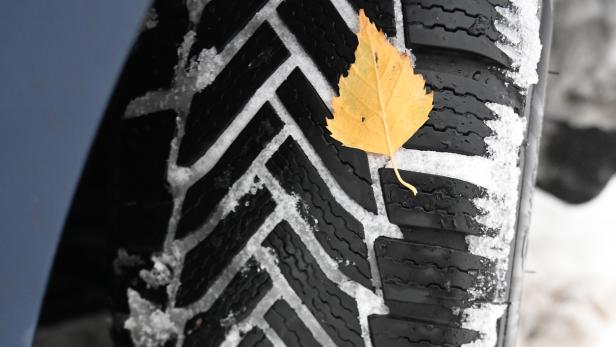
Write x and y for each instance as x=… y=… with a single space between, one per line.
x=570 y=279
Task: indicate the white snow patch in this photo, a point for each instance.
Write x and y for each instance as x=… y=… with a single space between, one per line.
x=237 y=264
x=163 y=268
x=179 y=176
x=367 y=304
x=500 y=204
x=181 y=74
x=236 y=333
x=375 y=162
x=261 y=96
x=212 y=62
x=374 y=227
x=348 y=14
x=200 y=73
x=474 y=169
x=148 y=325
x=271 y=334
x=269 y=262
x=159 y=275
x=210 y=65
x=520 y=27
x=288 y=209
x=399 y=40
x=195 y=7
x=246 y=184
x=178 y=97
x=499 y=217
x=303 y=60
x=568 y=298
x=229 y=320
x=483 y=318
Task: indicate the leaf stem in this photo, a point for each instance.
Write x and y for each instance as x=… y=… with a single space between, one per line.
x=402 y=182
x=386 y=128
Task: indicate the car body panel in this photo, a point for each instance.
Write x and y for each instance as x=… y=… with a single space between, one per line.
x=59 y=62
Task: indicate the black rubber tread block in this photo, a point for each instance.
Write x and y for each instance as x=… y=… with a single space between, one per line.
x=389 y=331
x=381 y=12
x=143 y=202
x=348 y=165
x=221 y=20
x=460 y=104
x=255 y=338
x=235 y=303
x=435 y=237
x=462 y=88
x=444 y=312
x=466 y=124
x=478 y=22
x=457 y=29
x=441 y=202
x=210 y=257
x=333 y=308
x=447 y=138
x=150 y=65
x=423 y=274
x=322 y=32
x=472 y=8
x=289 y=327
x=466 y=75
x=214 y=108
x=460 y=120
x=203 y=196
x=340 y=234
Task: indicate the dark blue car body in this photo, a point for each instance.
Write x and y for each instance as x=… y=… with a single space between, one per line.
x=59 y=61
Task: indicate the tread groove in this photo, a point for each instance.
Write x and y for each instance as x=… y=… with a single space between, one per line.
x=213 y=108
x=289 y=327
x=348 y=165
x=322 y=32
x=204 y=263
x=333 y=308
x=340 y=234
x=246 y=289
x=205 y=194
x=221 y=20
x=255 y=338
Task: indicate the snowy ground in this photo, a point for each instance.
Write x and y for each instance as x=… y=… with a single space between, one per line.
x=569 y=293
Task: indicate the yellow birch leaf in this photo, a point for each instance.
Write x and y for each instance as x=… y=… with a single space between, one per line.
x=382 y=102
